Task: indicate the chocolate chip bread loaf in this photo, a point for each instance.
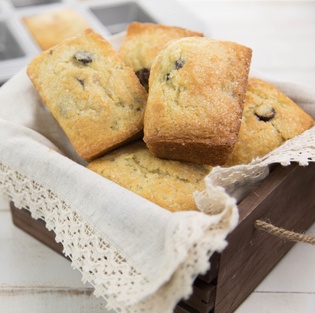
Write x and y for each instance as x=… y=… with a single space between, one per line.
x=97 y=100
x=144 y=41
x=51 y=27
x=169 y=184
x=269 y=119
x=194 y=109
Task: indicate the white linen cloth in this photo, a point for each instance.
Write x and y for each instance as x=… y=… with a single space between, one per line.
x=138 y=256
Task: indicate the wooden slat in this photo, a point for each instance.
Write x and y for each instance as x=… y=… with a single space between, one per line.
x=203 y=291
x=286 y=199
x=22 y=218
x=212 y=274
x=184 y=308
x=18 y=300
x=198 y=303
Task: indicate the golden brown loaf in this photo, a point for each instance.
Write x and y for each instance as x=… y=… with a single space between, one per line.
x=97 y=100
x=144 y=41
x=167 y=183
x=197 y=88
x=269 y=119
x=52 y=27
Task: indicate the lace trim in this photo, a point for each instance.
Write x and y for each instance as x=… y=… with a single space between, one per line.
x=106 y=269
x=241 y=179
x=97 y=261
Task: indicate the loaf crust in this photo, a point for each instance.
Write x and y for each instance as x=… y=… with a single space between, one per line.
x=97 y=100
x=194 y=109
x=167 y=183
x=52 y=27
x=269 y=119
x=143 y=42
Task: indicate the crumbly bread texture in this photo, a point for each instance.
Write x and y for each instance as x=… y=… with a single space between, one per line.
x=269 y=119
x=95 y=97
x=167 y=183
x=194 y=109
x=143 y=42
x=52 y=27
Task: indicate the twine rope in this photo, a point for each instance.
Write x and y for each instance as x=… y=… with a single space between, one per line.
x=283 y=233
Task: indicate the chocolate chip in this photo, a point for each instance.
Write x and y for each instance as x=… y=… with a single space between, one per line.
x=265 y=113
x=83 y=57
x=167 y=76
x=143 y=76
x=179 y=64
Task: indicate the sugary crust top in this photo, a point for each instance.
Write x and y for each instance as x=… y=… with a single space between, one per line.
x=197 y=88
x=96 y=99
x=269 y=119
x=144 y=41
x=167 y=183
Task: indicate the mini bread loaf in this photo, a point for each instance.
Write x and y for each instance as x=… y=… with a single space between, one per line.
x=194 y=109
x=143 y=42
x=269 y=119
x=51 y=27
x=95 y=97
x=167 y=183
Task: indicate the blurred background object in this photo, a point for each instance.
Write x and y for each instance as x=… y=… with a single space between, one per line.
x=30 y=26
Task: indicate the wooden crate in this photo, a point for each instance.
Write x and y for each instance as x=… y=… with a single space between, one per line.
x=285 y=198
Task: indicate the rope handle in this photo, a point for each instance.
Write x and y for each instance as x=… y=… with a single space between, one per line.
x=283 y=233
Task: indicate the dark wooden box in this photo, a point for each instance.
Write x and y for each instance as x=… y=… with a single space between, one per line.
x=285 y=198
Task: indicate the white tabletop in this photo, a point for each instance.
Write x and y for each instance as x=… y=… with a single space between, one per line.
x=33 y=278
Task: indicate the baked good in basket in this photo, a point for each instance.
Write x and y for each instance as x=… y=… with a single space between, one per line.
x=269 y=119
x=95 y=97
x=143 y=42
x=196 y=91
x=51 y=27
x=167 y=183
